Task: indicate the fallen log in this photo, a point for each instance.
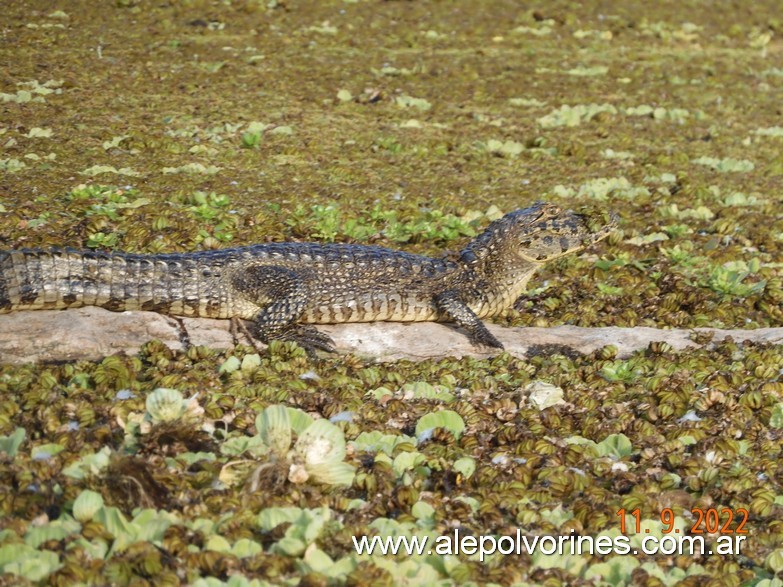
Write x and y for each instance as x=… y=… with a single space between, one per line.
x=92 y=333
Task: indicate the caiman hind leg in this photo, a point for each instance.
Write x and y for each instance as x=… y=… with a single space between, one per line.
x=450 y=304
x=282 y=295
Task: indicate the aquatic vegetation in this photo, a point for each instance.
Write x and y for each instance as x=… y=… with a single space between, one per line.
x=410 y=127
x=316 y=456
x=570 y=116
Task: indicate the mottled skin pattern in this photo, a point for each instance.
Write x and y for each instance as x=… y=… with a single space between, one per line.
x=282 y=286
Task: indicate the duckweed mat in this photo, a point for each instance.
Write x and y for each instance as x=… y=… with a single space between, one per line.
x=183 y=126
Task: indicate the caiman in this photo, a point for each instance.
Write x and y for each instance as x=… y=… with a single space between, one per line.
x=281 y=288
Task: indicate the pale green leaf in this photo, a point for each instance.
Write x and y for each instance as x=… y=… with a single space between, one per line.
x=10 y=444
x=447 y=419
x=86 y=505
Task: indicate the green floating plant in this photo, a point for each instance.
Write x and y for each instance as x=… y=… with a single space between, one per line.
x=405 y=101
x=25 y=561
x=574 y=115
x=168 y=405
x=727 y=165
x=602 y=189
x=164 y=407
x=623 y=371
x=317 y=454
x=376 y=441
x=466 y=466
x=330 y=222
x=776 y=417
x=10 y=444
x=55 y=530
x=730 y=280
x=503 y=148
x=415 y=390
x=543 y=395
x=86 y=505
x=100 y=169
x=615 y=446
x=305 y=527
x=647 y=239
x=89 y=465
x=447 y=419
x=193 y=169
x=771 y=131
x=405 y=462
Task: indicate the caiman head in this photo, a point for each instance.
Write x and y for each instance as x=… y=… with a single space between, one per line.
x=533 y=236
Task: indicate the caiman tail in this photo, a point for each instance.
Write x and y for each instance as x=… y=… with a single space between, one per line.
x=56 y=279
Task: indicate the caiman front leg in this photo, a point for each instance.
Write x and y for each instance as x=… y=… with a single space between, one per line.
x=282 y=295
x=450 y=304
